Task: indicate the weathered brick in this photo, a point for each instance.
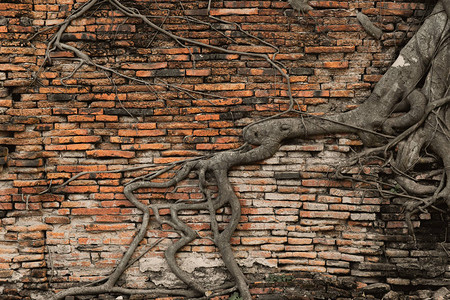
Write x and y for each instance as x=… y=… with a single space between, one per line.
x=325 y=182
x=80 y=189
x=262 y=240
x=144 y=66
x=198 y=72
x=110 y=153
x=28 y=257
x=299 y=241
x=57 y=220
x=329 y=4
x=219 y=87
x=109 y=227
x=95 y=211
x=141 y=133
x=329 y=49
x=324 y=214
x=315 y=206
x=231 y=11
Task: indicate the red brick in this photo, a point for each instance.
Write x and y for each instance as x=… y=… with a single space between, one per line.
x=144 y=66
x=6 y=103
x=218 y=102
x=342 y=93
x=329 y=49
x=109 y=227
x=57 y=220
x=339 y=28
x=81 y=168
x=146 y=125
x=11 y=67
x=180 y=153
x=219 y=87
x=28 y=257
x=121 y=140
x=110 y=153
x=388 y=12
x=69 y=132
x=8 y=191
x=82 y=118
x=335 y=65
x=252 y=49
x=329 y=4
x=198 y=72
x=80 y=189
x=6 y=206
x=372 y=78
x=64 y=111
x=144 y=73
x=299 y=241
x=145 y=147
x=329 y=199
x=324 y=214
x=95 y=211
x=231 y=11
x=31 y=235
x=206 y=132
x=132 y=132
x=325 y=182
x=77 y=139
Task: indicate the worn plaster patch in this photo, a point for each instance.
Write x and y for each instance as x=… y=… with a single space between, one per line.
x=188 y=263
x=153 y=264
x=196 y=260
x=200 y=266
x=400 y=62
x=39 y=295
x=250 y=261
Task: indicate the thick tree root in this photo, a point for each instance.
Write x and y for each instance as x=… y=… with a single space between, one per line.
x=368 y=26
x=416 y=102
x=218 y=165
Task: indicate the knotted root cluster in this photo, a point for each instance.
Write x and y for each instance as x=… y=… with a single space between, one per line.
x=213 y=170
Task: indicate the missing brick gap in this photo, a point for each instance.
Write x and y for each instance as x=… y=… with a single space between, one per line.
x=16 y=96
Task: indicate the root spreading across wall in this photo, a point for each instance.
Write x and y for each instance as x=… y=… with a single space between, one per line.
x=417 y=84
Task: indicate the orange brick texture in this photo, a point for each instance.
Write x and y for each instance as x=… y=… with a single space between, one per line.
x=296 y=217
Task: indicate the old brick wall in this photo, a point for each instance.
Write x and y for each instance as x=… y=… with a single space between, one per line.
x=297 y=217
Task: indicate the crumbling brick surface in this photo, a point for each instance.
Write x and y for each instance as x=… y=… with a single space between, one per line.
x=297 y=217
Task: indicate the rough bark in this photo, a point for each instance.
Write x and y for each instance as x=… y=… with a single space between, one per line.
x=369 y=26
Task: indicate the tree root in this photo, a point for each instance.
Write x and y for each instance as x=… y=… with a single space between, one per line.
x=218 y=166
x=413 y=187
x=417 y=103
x=369 y=26
x=301 y=6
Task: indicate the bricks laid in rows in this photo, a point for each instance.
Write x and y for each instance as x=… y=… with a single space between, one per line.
x=296 y=216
